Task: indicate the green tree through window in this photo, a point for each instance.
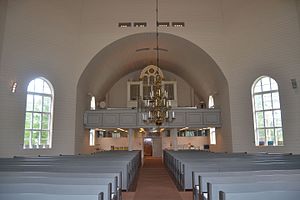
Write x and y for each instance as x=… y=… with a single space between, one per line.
x=266 y=112
x=38 y=117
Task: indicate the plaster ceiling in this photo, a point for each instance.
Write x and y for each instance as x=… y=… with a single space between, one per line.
x=134 y=52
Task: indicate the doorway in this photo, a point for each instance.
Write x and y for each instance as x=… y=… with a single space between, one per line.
x=148 y=146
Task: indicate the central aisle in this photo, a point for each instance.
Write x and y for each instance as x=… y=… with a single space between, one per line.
x=154 y=182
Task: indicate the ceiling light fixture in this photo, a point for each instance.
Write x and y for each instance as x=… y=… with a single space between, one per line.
x=158 y=107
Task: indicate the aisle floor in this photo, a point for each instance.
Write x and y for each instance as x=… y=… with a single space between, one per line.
x=154 y=183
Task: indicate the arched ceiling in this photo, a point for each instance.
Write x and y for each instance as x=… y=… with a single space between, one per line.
x=134 y=52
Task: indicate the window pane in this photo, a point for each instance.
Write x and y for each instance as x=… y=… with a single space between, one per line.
x=212 y=136
x=274 y=85
x=27 y=137
x=38 y=85
x=47 y=89
x=146 y=92
x=268 y=122
x=29 y=103
x=279 y=136
x=267 y=101
x=92 y=104
x=260 y=119
x=35 y=137
x=46 y=121
x=170 y=90
x=145 y=80
x=38 y=114
x=211 y=101
x=151 y=80
x=270 y=137
x=134 y=92
x=269 y=119
x=261 y=136
x=44 y=137
x=257 y=87
x=266 y=84
x=277 y=118
x=92 y=137
x=258 y=102
x=47 y=104
x=275 y=98
x=28 y=121
x=30 y=87
x=116 y=135
x=36 y=121
x=38 y=103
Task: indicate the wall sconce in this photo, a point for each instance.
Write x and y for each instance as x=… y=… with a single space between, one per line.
x=14 y=87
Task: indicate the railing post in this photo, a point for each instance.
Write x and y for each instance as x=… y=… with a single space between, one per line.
x=109 y=196
x=221 y=195
x=209 y=191
x=101 y=196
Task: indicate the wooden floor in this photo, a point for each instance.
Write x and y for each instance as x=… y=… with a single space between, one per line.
x=154 y=183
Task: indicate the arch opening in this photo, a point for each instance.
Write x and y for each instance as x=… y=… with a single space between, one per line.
x=133 y=53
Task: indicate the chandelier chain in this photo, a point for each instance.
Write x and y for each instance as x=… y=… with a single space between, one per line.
x=157 y=46
x=158 y=107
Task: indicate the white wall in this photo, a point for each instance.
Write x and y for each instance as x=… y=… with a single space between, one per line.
x=298 y=10
x=198 y=142
x=3 y=8
x=184 y=142
x=41 y=39
x=117 y=95
x=106 y=143
x=262 y=39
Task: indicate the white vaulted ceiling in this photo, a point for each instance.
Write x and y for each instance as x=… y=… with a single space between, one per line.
x=134 y=52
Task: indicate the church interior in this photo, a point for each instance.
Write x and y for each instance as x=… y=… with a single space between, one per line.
x=159 y=99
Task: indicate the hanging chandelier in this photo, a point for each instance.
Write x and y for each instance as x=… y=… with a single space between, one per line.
x=158 y=107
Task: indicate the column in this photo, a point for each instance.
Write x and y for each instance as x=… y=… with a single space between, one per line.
x=130 y=139
x=173 y=135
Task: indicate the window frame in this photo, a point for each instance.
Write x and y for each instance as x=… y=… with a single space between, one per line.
x=93 y=103
x=92 y=135
x=41 y=113
x=212 y=130
x=262 y=126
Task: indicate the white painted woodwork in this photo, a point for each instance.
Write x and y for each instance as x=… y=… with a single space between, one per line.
x=131 y=118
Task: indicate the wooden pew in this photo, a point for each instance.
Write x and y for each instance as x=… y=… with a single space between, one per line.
x=109 y=168
x=265 y=195
x=248 y=179
x=215 y=188
x=68 y=168
x=200 y=179
x=106 y=162
x=113 y=192
x=41 y=196
x=56 y=189
x=182 y=163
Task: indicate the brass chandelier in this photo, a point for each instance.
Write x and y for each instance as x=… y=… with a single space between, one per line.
x=158 y=107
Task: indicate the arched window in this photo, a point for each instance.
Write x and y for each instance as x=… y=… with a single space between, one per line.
x=212 y=131
x=93 y=103
x=92 y=137
x=266 y=112
x=211 y=102
x=39 y=114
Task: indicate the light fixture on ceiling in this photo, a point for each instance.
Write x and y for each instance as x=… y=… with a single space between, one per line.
x=158 y=107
